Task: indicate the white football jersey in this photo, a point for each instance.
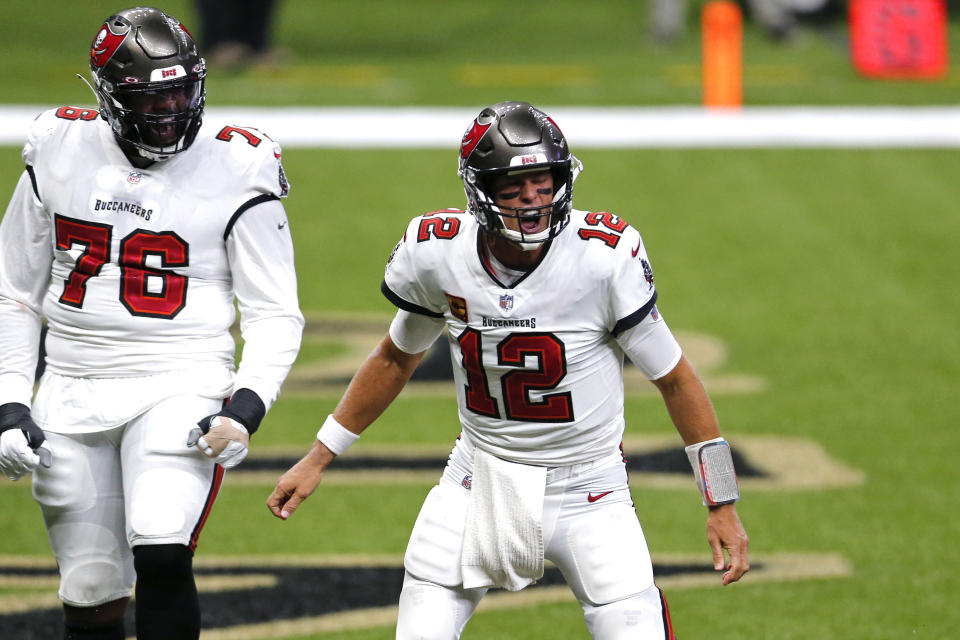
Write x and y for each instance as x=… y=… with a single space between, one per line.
x=537 y=367
x=136 y=270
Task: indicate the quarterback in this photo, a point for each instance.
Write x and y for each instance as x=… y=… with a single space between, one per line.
x=539 y=302
x=132 y=232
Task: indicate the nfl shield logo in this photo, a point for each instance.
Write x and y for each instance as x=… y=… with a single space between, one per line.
x=506 y=302
x=134 y=177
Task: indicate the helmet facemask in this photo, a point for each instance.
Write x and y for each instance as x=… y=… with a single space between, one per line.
x=493 y=218
x=158 y=119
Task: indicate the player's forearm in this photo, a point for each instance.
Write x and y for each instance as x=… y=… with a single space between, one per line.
x=688 y=404
x=377 y=382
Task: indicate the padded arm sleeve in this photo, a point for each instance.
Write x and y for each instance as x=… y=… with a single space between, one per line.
x=414 y=332
x=652 y=347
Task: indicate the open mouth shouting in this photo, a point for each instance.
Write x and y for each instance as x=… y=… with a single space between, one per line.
x=532 y=224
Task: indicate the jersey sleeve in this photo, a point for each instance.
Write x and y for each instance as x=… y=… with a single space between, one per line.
x=632 y=292
x=260 y=251
x=406 y=281
x=26 y=256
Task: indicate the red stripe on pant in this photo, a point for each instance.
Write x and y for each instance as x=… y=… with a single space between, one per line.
x=208 y=505
x=667 y=623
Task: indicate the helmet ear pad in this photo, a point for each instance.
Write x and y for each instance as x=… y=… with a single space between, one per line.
x=149 y=80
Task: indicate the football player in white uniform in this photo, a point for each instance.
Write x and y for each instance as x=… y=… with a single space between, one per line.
x=132 y=232
x=540 y=303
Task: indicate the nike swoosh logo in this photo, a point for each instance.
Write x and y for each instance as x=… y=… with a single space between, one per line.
x=282 y=225
x=594 y=498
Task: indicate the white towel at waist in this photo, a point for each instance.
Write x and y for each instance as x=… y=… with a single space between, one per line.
x=503 y=539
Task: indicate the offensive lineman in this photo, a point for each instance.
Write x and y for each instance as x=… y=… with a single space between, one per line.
x=540 y=302
x=132 y=231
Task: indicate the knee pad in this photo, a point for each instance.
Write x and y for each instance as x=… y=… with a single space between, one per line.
x=605 y=558
x=643 y=615
x=91 y=582
x=433 y=552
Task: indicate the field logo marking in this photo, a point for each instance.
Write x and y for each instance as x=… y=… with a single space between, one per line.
x=324 y=594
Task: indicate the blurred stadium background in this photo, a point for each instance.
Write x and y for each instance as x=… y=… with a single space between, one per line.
x=812 y=284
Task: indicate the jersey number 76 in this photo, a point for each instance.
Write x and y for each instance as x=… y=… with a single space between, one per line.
x=163 y=301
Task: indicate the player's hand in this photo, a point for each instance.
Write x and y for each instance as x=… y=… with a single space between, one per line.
x=299 y=481
x=725 y=533
x=223 y=439
x=22 y=445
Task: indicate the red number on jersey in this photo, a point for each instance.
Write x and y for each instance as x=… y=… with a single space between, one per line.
x=608 y=220
x=443 y=228
x=77 y=113
x=517 y=384
x=226 y=134
x=169 y=294
x=551 y=369
x=95 y=239
x=144 y=291
x=478 y=395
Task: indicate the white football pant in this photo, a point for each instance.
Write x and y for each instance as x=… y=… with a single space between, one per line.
x=111 y=490
x=590 y=532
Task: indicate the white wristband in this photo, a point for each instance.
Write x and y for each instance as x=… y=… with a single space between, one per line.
x=336 y=436
x=712 y=463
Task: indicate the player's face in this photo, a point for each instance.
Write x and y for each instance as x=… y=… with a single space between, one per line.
x=532 y=190
x=158 y=130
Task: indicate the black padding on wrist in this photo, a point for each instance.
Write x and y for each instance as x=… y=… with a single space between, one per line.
x=12 y=414
x=247 y=408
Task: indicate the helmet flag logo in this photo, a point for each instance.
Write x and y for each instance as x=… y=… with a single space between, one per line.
x=104 y=46
x=472 y=137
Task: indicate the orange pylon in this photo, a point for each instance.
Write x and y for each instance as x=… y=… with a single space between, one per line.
x=722 y=36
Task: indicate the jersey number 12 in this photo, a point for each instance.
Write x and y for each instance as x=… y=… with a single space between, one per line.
x=517 y=384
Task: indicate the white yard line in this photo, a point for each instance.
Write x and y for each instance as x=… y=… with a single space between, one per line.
x=596 y=127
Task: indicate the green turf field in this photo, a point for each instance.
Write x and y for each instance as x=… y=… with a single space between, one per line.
x=814 y=290
x=430 y=52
